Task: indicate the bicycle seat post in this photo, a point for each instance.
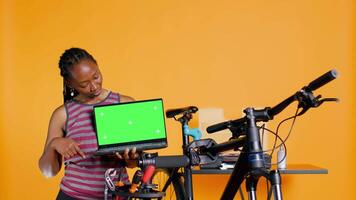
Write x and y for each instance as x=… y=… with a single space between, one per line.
x=184 y=121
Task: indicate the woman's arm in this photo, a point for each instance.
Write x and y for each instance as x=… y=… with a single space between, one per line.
x=51 y=161
x=56 y=145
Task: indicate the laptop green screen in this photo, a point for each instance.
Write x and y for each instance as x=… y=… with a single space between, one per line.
x=130 y=122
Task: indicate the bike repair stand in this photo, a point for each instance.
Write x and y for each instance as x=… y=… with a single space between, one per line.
x=251 y=164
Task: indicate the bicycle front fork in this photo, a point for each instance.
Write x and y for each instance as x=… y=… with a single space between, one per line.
x=273 y=177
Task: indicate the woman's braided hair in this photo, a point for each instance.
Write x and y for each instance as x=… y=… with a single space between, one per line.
x=67 y=61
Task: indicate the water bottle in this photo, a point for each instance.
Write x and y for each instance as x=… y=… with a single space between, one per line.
x=281 y=158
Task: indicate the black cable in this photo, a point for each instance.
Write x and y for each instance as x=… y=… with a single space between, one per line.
x=292 y=126
x=277 y=136
x=275 y=140
x=270 y=131
x=284 y=141
x=275 y=146
x=290 y=130
x=263 y=132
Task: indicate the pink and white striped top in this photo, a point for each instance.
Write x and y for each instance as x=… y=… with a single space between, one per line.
x=84 y=178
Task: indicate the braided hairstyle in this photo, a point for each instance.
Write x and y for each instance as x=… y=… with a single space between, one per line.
x=67 y=61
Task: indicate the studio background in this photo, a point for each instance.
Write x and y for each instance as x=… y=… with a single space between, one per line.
x=225 y=54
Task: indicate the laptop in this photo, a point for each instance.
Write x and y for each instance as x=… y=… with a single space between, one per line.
x=139 y=124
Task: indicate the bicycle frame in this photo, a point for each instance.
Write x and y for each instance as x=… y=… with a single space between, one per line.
x=250 y=165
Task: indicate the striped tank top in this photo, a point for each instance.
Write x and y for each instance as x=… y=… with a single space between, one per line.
x=84 y=177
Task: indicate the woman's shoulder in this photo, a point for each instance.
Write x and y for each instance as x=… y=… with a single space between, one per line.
x=60 y=109
x=59 y=113
x=125 y=98
x=59 y=117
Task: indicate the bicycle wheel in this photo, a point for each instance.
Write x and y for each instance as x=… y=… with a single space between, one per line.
x=174 y=189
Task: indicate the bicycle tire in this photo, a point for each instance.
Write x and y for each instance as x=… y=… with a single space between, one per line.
x=175 y=190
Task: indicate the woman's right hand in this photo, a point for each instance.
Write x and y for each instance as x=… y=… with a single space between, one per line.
x=66 y=147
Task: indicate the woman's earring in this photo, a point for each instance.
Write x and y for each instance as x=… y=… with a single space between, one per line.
x=71 y=92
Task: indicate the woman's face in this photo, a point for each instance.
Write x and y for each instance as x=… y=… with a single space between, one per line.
x=86 y=79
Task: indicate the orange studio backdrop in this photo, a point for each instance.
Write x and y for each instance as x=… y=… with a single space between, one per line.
x=223 y=54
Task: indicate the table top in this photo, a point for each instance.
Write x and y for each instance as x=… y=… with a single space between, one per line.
x=291 y=169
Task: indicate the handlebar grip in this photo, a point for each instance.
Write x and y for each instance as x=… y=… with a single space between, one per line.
x=224 y=125
x=171 y=161
x=218 y=127
x=322 y=80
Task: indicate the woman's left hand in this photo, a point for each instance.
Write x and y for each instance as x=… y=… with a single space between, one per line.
x=129 y=156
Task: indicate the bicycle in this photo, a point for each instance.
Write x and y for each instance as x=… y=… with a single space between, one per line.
x=251 y=164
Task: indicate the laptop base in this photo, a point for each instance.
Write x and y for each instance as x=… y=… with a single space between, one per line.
x=121 y=149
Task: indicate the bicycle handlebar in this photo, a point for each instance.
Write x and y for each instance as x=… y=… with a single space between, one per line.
x=322 y=80
x=268 y=113
x=316 y=84
x=164 y=161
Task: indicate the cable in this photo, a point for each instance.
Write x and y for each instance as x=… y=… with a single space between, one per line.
x=277 y=136
x=292 y=126
x=283 y=141
x=275 y=140
x=290 y=130
x=263 y=132
x=270 y=131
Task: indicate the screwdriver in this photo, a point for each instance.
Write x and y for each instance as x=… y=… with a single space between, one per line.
x=136 y=181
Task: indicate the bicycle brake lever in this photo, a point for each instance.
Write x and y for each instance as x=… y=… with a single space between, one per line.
x=321 y=101
x=316 y=103
x=330 y=99
x=305 y=109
